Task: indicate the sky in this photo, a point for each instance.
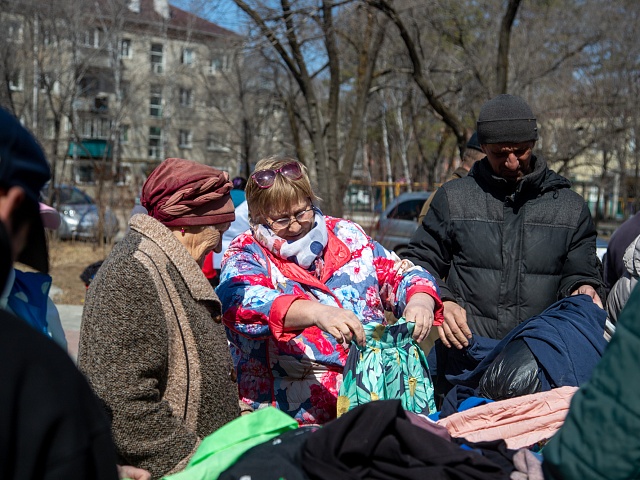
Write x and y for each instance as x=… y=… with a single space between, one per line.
x=221 y=12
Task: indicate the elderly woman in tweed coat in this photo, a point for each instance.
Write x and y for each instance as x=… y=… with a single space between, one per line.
x=151 y=342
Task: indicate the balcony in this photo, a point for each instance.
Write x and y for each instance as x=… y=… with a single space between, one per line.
x=90 y=148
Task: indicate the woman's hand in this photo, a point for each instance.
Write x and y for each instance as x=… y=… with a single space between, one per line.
x=342 y=324
x=133 y=473
x=419 y=310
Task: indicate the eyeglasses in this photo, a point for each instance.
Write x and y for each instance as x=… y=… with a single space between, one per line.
x=300 y=217
x=266 y=178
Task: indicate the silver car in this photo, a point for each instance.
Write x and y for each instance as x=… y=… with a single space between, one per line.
x=399 y=220
x=79 y=215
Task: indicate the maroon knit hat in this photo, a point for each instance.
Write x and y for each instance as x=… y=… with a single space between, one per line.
x=182 y=192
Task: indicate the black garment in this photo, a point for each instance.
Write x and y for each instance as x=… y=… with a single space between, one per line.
x=278 y=458
x=377 y=441
x=51 y=425
x=507 y=252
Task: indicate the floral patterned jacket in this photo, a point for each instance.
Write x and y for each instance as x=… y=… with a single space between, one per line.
x=300 y=372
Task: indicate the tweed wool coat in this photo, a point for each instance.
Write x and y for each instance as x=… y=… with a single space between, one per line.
x=153 y=352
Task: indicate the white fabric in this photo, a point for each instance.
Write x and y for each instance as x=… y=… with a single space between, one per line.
x=304 y=251
x=622 y=289
x=238 y=226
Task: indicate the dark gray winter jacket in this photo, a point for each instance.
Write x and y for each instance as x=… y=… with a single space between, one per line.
x=505 y=255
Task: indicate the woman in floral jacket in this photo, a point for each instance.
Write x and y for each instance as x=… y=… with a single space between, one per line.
x=298 y=286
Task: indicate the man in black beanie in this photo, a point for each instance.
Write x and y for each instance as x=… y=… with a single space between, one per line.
x=509 y=239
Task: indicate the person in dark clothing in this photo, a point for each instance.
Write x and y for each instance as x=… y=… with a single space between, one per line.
x=622 y=237
x=472 y=154
x=509 y=239
x=51 y=425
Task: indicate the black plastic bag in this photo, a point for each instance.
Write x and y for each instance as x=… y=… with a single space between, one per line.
x=513 y=373
x=88 y=273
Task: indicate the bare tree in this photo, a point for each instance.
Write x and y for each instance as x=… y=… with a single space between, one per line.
x=309 y=45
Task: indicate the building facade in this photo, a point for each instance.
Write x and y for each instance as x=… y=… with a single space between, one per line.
x=112 y=88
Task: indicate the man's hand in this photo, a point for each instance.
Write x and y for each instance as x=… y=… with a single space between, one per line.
x=588 y=290
x=419 y=310
x=454 y=331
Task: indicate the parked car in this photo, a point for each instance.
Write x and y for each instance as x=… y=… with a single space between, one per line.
x=79 y=214
x=399 y=220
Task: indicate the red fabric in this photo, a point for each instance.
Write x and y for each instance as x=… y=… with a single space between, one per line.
x=207 y=267
x=182 y=192
x=279 y=309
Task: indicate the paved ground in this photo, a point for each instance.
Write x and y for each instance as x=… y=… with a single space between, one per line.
x=70 y=316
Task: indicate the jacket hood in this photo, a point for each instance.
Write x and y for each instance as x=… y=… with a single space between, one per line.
x=631 y=258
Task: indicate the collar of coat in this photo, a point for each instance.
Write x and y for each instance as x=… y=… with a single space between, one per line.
x=540 y=180
x=188 y=268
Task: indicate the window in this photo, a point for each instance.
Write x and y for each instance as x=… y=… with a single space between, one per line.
x=48 y=37
x=44 y=81
x=216 y=141
x=155 y=143
x=155 y=101
x=83 y=173
x=157 y=58
x=188 y=56
x=125 y=48
x=408 y=210
x=88 y=86
x=219 y=63
x=16 y=81
x=99 y=128
x=101 y=103
x=124 y=134
x=90 y=38
x=186 y=97
x=49 y=129
x=14 y=31
x=185 y=139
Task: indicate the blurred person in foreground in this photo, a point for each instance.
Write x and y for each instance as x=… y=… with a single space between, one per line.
x=151 y=342
x=599 y=437
x=51 y=424
x=298 y=287
x=509 y=239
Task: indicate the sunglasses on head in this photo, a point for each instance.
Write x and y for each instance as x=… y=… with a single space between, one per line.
x=266 y=178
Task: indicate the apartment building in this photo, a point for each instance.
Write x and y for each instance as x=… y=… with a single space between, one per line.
x=112 y=88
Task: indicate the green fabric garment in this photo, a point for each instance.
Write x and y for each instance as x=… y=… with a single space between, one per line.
x=599 y=437
x=390 y=366
x=225 y=446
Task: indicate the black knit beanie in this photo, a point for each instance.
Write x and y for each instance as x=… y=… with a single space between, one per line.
x=506 y=119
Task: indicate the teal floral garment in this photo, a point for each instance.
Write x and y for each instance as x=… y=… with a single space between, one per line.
x=391 y=366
